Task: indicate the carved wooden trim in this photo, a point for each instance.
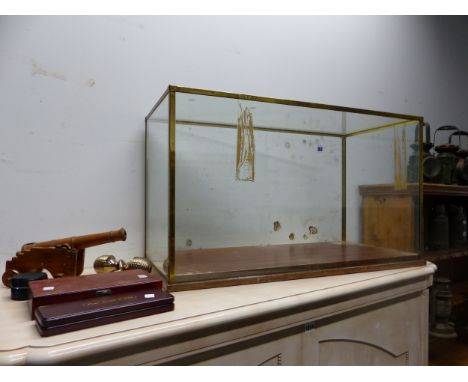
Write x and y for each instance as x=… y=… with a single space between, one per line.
x=395 y=356
x=276 y=360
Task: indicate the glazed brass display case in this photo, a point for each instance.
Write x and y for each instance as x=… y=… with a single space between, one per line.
x=245 y=189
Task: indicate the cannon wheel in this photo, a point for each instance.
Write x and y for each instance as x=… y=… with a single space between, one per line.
x=8 y=275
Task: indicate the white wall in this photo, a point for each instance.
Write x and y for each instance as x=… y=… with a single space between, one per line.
x=74 y=92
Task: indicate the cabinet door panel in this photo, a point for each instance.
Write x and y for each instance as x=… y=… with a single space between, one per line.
x=349 y=353
x=275 y=349
x=389 y=333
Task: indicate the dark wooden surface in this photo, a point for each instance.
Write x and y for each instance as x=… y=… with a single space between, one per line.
x=217 y=267
x=388 y=190
x=448 y=352
x=448 y=254
x=412 y=189
x=445 y=189
x=286 y=256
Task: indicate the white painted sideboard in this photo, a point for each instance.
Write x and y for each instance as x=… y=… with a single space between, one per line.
x=372 y=318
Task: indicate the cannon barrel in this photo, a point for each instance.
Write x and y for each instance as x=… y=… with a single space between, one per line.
x=82 y=242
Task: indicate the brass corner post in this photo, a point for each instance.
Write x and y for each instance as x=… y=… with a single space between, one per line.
x=172 y=180
x=421 y=188
x=145 y=190
x=343 y=175
x=343 y=189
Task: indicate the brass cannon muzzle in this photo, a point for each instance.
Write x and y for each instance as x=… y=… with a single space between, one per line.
x=82 y=242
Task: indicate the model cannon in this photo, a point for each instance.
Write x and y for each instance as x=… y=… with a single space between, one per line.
x=62 y=257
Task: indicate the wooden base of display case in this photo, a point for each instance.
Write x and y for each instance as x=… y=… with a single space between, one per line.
x=208 y=268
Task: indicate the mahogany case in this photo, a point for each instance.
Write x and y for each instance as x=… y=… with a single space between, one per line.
x=74 y=315
x=59 y=290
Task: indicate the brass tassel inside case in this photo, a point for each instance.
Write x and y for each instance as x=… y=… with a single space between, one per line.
x=400 y=159
x=245 y=161
x=404 y=174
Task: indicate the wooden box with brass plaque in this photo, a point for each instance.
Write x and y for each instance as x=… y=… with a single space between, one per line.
x=54 y=291
x=86 y=313
x=246 y=189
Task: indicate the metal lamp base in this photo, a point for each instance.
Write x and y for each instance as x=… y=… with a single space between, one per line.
x=443 y=330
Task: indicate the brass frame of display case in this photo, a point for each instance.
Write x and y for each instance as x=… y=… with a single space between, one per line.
x=171 y=92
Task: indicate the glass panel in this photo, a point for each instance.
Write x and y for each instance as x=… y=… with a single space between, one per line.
x=206 y=110
x=157 y=186
x=293 y=198
x=382 y=201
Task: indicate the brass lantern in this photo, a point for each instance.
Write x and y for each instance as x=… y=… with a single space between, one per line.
x=447 y=158
x=461 y=169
